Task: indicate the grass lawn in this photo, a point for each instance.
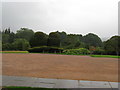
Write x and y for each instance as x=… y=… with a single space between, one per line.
x=108 y=56
x=14 y=52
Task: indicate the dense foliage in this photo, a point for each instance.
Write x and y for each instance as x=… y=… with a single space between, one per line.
x=92 y=40
x=54 y=39
x=39 y=39
x=25 y=33
x=18 y=44
x=79 y=51
x=91 y=43
x=112 y=46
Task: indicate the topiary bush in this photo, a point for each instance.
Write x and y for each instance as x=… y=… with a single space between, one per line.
x=79 y=51
x=45 y=49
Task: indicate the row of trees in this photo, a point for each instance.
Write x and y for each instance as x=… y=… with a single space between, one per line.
x=26 y=38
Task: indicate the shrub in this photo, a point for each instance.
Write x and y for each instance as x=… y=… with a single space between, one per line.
x=7 y=46
x=98 y=51
x=20 y=44
x=46 y=49
x=76 y=51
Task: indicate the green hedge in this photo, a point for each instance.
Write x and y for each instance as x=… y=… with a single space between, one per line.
x=45 y=49
x=98 y=51
x=79 y=51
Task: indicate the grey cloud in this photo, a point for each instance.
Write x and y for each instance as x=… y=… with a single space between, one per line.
x=72 y=16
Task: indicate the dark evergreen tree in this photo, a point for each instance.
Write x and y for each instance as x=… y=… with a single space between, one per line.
x=39 y=39
x=92 y=40
x=54 y=39
x=112 y=46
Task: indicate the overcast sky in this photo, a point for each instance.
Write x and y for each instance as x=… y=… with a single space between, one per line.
x=72 y=16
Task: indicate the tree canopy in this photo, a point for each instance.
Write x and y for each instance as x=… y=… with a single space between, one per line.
x=39 y=39
x=25 y=38
x=112 y=45
x=92 y=40
x=54 y=39
x=25 y=33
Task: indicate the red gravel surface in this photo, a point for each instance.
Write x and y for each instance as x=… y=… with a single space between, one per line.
x=60 y=66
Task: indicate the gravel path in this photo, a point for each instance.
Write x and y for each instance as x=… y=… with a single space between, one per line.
x=60 y=67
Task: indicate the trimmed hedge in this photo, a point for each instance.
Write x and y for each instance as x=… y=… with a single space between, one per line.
x=45 y=49
x=80 y=51
x=98 y=51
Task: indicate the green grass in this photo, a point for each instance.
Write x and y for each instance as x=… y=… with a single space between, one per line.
x=108 y=56
x=28 y=88
x=14 y=52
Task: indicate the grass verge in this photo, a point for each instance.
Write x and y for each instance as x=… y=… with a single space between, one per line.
x=14 y=52
x=108 y=56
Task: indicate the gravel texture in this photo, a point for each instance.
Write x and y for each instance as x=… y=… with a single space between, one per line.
x=60 y=66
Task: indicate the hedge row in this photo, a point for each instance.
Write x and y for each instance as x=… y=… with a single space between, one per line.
x=103 y=52
x=83 y=51
x=46 y=49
